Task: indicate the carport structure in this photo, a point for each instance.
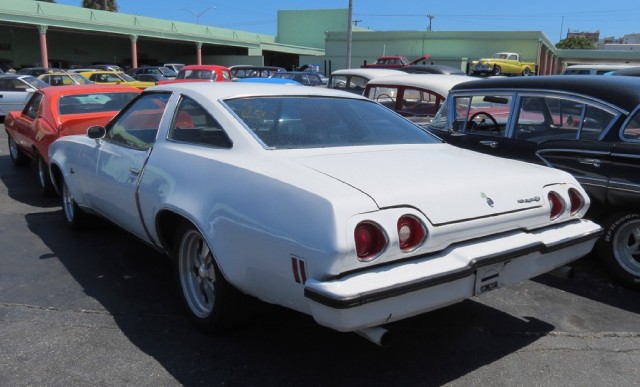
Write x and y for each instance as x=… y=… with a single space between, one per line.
x=47 y=34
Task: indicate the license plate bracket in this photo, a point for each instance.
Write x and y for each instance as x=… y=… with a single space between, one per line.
x=488 y=278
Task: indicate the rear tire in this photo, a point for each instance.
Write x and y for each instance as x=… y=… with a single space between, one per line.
x=207 y=296
x=46 y=185
x=18 y=157
x=619 y=247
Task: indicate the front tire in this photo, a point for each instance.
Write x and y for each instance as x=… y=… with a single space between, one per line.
x=496 y=70
x=18 y=157
x=526 y=72
x=74 y=217
x=619 y=247
x=206 y=295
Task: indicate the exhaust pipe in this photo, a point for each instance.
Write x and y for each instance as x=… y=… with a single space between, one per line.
x=564 y=272
x=376 y=335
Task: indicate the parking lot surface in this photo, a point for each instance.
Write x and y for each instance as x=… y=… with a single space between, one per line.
x=98 y=307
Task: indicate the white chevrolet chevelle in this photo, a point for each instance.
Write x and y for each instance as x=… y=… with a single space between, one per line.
x=318 y=200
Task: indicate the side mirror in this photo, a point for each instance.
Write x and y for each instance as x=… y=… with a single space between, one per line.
x=96 y=132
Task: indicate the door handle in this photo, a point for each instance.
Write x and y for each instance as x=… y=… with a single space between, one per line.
x=134 y=171
x=594 y=162
x=489 y=143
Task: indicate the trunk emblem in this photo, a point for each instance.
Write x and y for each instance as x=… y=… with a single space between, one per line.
x=529 y=200
x=488 y=199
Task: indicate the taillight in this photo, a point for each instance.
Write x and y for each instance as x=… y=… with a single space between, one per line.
x=370 y=241
x=557 y=205
x=411 y=233
x=577 y=201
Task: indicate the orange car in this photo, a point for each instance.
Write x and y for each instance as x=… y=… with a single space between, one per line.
x=53 y=112
x=201 y=73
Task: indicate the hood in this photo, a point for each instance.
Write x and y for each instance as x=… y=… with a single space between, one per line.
x=446 y=183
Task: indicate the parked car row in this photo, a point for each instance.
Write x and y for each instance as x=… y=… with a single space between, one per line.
x=312 y=209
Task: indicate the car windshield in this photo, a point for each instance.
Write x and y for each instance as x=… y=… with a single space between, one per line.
x=126 y=77
x=196 y=74
x=317 y=122
x=93 y=102
x=80 y=79
x=167 y=72
x=35 y=82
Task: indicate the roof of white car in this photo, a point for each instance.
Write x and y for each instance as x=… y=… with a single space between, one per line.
x=226 y=90
x=368 y=73
x=440 y=83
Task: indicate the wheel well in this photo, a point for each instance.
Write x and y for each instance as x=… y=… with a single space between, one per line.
x=167 y=223
x=56 y=178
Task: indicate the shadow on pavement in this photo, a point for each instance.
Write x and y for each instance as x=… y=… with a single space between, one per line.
x=279 y=347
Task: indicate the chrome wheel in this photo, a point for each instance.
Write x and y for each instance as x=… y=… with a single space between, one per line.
x=17 y=155
x=626 y=247
x=68 y=204
x=197 y=274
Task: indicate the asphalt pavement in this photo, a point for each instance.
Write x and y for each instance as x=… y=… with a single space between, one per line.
x=99 y=308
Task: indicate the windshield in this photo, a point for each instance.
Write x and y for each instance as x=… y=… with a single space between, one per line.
x=35 y=82
x=318 y=122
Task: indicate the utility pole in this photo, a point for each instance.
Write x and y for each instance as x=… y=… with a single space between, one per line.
x=349 y=33
x=355 y=22
x=430 y=18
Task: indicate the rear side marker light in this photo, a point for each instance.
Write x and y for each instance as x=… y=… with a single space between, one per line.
x=557 y=205
x=370 y=241
x=411 y=233
x=577 y=201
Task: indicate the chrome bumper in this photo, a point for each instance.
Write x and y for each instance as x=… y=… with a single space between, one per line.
x=394 y=292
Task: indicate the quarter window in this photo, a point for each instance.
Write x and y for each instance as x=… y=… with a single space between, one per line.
x=138 y=125
x=632 y=129
x=194 y=125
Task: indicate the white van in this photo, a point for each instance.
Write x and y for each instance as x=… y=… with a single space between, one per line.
x=594 y=69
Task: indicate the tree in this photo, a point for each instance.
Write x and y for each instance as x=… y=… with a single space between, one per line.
x=110 y=5
x=576 y=42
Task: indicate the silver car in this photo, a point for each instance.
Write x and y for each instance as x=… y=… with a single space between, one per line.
x=15 y=91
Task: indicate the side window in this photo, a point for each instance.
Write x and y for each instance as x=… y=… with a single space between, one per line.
x=594 y=123
x=542 y=118
x=632 y=129
x=17 y=85
x=385 y=95
x=419 y=102
x=138 y=125
x=194 y=125
x=487 y=115
x=338 y=81
x=5 y=85
x=31 y=109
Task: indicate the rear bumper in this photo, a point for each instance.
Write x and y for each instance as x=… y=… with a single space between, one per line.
x=390 y=293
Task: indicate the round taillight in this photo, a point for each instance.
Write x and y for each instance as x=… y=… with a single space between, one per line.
x=557 y=205
x=411 y=233
x=370 y=241
x=577 y=201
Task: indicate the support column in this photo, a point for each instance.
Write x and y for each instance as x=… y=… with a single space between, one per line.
x=199 y=53
x=43 y=46
x=134 y=51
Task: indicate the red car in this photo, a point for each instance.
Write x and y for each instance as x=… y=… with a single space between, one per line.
x=201 y=73
x=53 y=112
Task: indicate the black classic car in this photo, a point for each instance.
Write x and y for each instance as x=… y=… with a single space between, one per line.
x=588 y=126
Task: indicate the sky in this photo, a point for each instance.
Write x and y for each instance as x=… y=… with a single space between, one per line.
x=554 y=18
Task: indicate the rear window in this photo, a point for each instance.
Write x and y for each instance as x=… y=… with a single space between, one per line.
x=93 y=102
x=318 y=122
